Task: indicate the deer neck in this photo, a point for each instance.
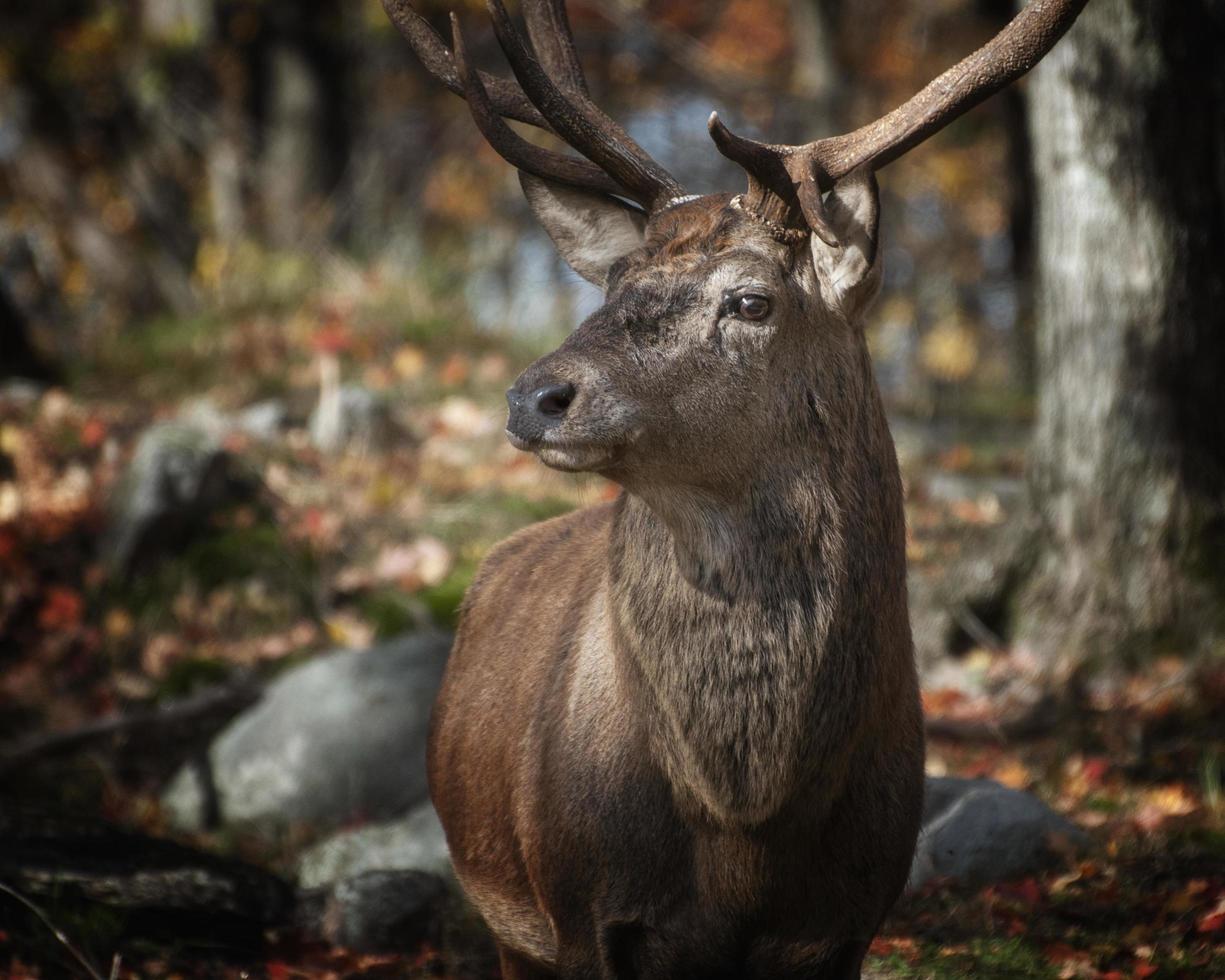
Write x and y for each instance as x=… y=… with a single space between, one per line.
x=722 y=605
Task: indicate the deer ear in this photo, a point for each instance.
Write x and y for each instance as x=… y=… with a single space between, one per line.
x=591 y=231
x=849 y=272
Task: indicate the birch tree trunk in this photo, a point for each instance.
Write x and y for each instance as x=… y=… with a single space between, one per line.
x=1127 y=470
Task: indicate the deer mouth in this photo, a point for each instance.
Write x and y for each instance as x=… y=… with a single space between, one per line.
x=569 y=456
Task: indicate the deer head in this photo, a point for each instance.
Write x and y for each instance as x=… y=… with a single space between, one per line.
x=731 y=322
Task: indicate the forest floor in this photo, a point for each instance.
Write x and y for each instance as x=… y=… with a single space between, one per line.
x=350 y=547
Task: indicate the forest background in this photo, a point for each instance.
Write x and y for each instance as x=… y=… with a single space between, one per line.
x=262 y=285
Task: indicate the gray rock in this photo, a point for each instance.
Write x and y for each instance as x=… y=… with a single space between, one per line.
x=974 y=830
x=414 y=842
x=179 y=474
x=383 y=911
x=349 y=417
x=977 y=831
x=21 y=392
x=339 y=739
x=263 y=420
x=954 y=487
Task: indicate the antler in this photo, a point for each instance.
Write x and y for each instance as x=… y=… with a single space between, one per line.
x=786 y=182
x=580 y=123
x=505 y=96
x=552 y=96
x=513 y=147
x=549 y=29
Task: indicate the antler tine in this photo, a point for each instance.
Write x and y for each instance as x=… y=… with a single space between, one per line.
x=576 y=120
x=506 y=98
x=787 y=179
x=548 y=27
x=510 y=145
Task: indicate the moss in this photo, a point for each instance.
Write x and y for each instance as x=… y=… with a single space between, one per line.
x=1008 y=958
x=1204 y=843
x=428 y=331
x=226 y=556
x=185 y=676
x=1104 y=804
x=443 y=600
x=1001 y=959
x=163 y=357
x=530 y=511
x=238 y=553
x=393 y=613
x=390 y=613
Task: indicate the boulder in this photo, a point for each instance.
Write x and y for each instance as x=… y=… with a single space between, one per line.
x=179 y=474
x=350 y=417
x=377 y=911
x=412 y=843
x=974 y=831
x=336 y=740
x=264 y=420
x=977 y=831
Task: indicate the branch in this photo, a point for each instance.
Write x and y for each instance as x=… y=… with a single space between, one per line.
x=217 y=704
x=57 y=933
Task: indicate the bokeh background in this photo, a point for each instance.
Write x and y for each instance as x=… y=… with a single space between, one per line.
x=262 y=286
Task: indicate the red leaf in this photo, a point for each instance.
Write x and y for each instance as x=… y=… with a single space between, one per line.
x=61 y=609
x=1028 y=891
x=1095 y=769
x=1212 y=922
x=93 y=432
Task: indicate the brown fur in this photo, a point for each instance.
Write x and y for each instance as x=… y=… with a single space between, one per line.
x=679 y=735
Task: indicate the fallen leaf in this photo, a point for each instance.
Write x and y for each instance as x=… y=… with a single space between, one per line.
x=455 y=370
x=118 y=624
x=1013 y=774
x=160 y=652
x=347 y=630
x=408 y=362
x=62 y=608
x=1213 y=921
x=93 y=432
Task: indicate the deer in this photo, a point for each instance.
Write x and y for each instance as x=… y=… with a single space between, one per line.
x=679 y=733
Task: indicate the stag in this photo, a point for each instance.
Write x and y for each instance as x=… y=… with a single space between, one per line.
x=679 y=734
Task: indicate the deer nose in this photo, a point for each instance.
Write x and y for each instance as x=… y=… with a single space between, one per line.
x=552 y=400
x=534 y=411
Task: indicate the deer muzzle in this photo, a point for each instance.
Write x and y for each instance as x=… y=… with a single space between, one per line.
x=536 y=411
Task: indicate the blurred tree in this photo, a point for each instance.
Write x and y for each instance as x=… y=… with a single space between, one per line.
x=302 y=103
x=21 y=358
x=1127 y=469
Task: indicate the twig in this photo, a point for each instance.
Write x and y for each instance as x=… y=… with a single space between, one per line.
x=976 y=629
x=58 y=933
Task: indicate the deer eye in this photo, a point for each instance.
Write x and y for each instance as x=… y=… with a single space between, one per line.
x=752 y=307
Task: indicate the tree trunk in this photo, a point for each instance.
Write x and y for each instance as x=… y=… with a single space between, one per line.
x=305 y=124
x=19 y=357
x=1127 y=470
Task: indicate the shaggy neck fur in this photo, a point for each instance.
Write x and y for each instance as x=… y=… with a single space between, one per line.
x=737 y=614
